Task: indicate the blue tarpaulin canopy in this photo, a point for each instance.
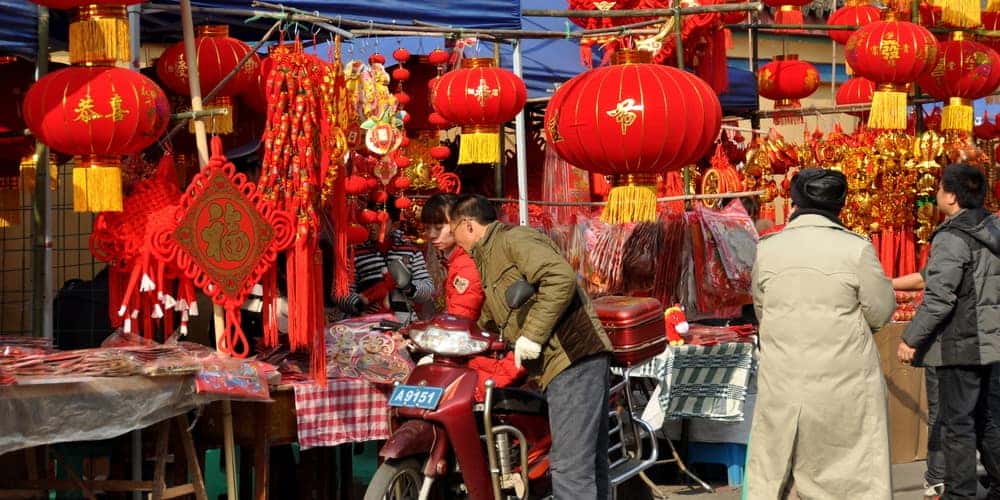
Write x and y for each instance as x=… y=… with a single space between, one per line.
x=546 y=62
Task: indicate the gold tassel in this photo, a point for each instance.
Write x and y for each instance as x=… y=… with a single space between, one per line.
x=99 y=35
x=957 y=115
x=29 y=173
x=961 y=13
x=217 y=124
x=888 y=109
x=479 y=145
x=791 y=118
x=97 y=185
x=993 y=6
x=631 y=202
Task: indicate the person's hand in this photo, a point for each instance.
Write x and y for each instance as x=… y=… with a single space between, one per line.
x=905 y=353
x=526 y=349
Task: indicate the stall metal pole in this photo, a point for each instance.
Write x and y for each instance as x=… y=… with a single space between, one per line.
x=41 y=209
x=201 y=141
x=135 y=47
x=520 y=143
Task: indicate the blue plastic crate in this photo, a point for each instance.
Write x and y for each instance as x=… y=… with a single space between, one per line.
x=730 y=455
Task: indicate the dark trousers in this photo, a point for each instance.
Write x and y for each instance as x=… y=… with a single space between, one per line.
x=578 y=418
x=935 y=453
x=970 y=415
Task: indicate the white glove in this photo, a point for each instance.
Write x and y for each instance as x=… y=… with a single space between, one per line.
x=525 y=349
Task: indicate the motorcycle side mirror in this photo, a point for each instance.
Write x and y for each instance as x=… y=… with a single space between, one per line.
x=400 y=274
x=518 y=293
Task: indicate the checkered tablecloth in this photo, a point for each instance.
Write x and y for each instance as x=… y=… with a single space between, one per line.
x=347 y=410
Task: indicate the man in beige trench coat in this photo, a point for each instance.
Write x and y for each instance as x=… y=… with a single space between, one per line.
x=819 y=292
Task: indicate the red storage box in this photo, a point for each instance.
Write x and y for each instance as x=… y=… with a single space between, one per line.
x=635 y=325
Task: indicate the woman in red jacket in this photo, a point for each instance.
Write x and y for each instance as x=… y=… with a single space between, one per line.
x=463 y=291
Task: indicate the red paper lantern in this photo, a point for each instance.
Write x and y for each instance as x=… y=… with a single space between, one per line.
x=963 y=71
x=376 y=58
x=437 y=57
x=857 y=90
x=218 y=54
x=788 y=11
x=890 y=53
x=786 y=80
x=658 y=118
x=440 y=153
x=401 y=55
x=480 y=98
x=98 y=30
x=854 y=13
x=98 y=114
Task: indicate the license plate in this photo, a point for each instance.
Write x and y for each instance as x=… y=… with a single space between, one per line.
x=413 y=396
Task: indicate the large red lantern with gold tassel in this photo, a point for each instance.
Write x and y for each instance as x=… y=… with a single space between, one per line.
x=853 y=13
x=480 y=98
x=785 y=80
x=98 y=30
x=97 y=114
x=632 y=121
x=963 y=71
x=890 y=53
x=218 y=54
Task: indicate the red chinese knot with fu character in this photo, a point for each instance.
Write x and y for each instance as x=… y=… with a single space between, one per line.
x=657 y=118
x=225 y=236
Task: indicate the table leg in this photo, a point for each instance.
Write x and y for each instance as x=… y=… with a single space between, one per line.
x=160 y=467
x=345 y=464
x=191 y=454
x=261 y=467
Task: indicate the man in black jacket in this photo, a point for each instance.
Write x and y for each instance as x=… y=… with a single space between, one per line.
x=957 y=330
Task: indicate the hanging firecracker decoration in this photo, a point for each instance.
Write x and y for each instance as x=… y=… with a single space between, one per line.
x=218 y=54
x=786 y=80
x=856 y=90
x=98 y=114
x=480 y=98
x=788 y=12
x=890 y=53
x=853 y=13
x=98 y=30
x=963 y=71
x=659 y=118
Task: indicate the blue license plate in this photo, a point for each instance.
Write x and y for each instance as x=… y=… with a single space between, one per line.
x=413 y=396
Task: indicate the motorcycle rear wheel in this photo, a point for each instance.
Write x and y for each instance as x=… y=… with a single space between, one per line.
x=396 y=479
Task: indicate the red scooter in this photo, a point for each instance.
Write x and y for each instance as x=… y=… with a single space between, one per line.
x=446 y=445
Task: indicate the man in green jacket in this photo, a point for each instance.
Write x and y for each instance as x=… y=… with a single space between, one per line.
x=557 y=338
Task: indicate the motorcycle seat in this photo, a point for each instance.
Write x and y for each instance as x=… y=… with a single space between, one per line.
x=515 y=400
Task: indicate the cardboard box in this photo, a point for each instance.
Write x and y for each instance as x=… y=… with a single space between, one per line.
x=907 y=399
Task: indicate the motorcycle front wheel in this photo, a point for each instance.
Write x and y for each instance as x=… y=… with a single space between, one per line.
x=396 y=479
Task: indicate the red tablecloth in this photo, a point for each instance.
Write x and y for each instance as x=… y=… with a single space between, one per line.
x=347 y=410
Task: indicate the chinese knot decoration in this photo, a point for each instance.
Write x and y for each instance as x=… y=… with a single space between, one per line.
x=659 y=118
x=98 y=31
x=890 y=53
x=218 y=54
x=480 y=98
x=786 y=80
x=964 y=71
x=98 y=114
x=224 y=236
